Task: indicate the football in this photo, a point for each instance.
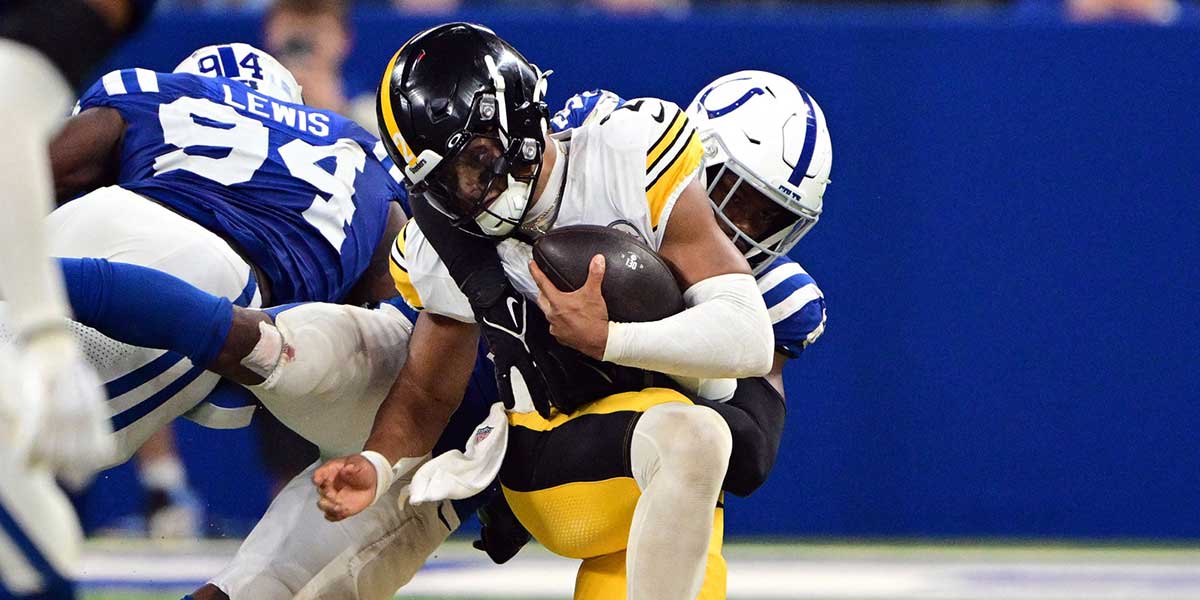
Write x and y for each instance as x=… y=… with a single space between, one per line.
x=638 y=286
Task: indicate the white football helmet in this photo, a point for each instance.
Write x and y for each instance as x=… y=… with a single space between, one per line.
x=247 y=64
x=760 y=130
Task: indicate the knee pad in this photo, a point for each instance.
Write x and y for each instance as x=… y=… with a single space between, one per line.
x=691 y=440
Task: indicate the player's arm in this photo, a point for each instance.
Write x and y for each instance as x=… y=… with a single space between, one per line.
x=775 y=376
x=426 y=393
x=725 y=332
x=84 y=153
x=376 y=283
x=145 y=307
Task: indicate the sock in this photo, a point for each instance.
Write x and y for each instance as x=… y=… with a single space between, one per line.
x=163 y=474
x=679 y=454
x=146 y=307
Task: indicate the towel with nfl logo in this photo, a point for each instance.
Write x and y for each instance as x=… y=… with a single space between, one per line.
x=455 y=475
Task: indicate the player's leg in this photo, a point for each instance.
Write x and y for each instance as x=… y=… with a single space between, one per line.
x=294 y=552
x=567 y=479
x=678 y=455
x=39 y=534
x=639 y=470
x=173 y=510
x=603 y=577
x=147 y=388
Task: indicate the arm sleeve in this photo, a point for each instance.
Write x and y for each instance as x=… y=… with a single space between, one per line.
x=145 y=307
x=725 y=333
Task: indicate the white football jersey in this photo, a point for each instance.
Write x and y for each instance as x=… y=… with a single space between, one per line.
x=625 y=170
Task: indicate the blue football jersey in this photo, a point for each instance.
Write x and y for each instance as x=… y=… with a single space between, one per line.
x=303 y=193
x=579 y=106
x=795 y=303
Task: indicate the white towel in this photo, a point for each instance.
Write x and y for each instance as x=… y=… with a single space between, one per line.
x=455 y=474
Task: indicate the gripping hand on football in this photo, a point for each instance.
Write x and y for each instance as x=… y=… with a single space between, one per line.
x=346 y=486
x=577 y=319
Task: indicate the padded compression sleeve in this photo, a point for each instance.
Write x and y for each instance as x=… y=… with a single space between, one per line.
x=725 y=333
x=144 y=307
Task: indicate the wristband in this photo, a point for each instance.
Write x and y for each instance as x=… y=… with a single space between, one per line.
x=383 y=473
x=387 y=473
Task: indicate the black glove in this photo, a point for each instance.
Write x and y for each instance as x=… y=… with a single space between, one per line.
x=514 y=328
x=516 y=332
x=501 y=534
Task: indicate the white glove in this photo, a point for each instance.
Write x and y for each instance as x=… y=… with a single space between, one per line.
x=53 y=404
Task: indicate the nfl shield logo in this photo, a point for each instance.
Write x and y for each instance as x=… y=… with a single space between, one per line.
x=482 y=433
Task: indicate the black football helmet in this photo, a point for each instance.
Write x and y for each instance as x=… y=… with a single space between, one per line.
x=461 y=111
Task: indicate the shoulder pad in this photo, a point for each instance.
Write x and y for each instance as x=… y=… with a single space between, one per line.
x=122 y=82
x=422 y=279
x=673 y=149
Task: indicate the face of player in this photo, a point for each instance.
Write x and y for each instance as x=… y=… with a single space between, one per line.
x=755 y=215
x=478 y=173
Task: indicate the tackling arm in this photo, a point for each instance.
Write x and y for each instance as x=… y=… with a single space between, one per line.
x=83 y=156
x=144 y=307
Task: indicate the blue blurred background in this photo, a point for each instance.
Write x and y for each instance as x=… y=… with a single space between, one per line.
x=1009 y=251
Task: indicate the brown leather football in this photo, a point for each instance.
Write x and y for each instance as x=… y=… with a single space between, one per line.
x=638 y=286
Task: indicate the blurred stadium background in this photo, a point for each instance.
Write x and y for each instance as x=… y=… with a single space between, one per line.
x=1004 y=403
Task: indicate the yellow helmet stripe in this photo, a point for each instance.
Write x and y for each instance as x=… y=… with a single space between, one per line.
x=389 y=119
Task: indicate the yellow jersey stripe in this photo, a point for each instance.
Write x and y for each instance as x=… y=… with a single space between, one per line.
x=627 y=401
x=389 y=118
x=398 y=252
x=660 y=147
x=682 y=167
x=400 y=276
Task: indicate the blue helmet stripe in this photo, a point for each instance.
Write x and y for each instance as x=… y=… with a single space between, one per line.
x=810 y=142
x=229 y=62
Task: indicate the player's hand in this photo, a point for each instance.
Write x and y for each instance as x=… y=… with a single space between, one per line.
x=65 y=426
x=517 y=334
x=578 y=319
x=346 y=486
x=501 y=534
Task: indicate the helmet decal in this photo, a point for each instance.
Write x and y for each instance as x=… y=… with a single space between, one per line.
x=810 y=142
x=712 y=114
x=246 y=64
